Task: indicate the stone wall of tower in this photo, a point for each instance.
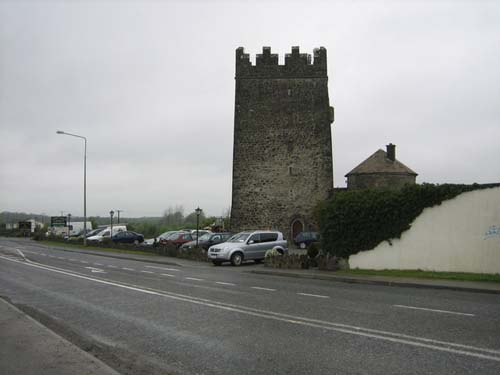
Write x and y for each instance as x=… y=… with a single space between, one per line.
x=282 y=157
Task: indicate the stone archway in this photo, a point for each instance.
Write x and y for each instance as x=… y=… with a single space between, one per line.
x=297 y=227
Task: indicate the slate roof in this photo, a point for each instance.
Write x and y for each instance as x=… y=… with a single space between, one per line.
x=380 y=163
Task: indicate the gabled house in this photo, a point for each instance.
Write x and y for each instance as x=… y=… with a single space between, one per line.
x=381 y=170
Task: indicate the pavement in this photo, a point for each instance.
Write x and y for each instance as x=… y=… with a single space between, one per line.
x=27 y=347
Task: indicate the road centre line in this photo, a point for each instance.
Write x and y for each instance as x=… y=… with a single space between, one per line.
x=147 y=271
x=98 y=264
x=312 y=295
x=260 y=288
x=111 y=266
x=194 y=278
x=166 y=274
x=73 y=260
x=223 y=283
x=433 y=310
x=128 y=269
x=163 y=268
x=82 y=261
x=422 y=342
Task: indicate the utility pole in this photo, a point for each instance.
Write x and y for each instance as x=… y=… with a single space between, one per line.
x=118 y=212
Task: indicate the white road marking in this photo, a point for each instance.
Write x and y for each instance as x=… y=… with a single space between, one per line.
x=84 y=262
x=223 y=283
x=166 y=274
x=163 y=268
x=72 y=260
x=433 y=310
x=111 y=266
x=21 y=253
x=147 y=271
x=61 y=258
x=312 y=295
x=98 y=264
x=44 y=255
x=194 y=278
x=127 y=269
x=260 y=288
x=96 y=270
x=422 y=342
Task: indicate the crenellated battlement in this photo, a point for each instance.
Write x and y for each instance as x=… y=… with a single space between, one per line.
x=297 y=65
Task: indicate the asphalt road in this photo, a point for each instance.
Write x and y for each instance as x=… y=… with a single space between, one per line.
x=194 y=318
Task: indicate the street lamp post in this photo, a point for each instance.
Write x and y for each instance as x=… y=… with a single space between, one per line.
x=198 y=212
x=69 y=225
x=111 y=213
x=118 y=218
x=84 y=184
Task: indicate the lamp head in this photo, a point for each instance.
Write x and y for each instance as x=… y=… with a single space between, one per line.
x=198 y=211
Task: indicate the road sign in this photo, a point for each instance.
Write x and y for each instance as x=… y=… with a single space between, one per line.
x=24 y=225
x=58 y=221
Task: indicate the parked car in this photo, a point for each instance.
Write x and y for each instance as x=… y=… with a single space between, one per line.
x=247 y=246
x=177 y=239
x=201 y=232
x=207 y=240
x=128 y=237
x=93 y=232
x=151 y=241
x=304 y=239
x=106 y=233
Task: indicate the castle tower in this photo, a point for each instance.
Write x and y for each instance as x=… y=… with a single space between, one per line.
x=282 y=156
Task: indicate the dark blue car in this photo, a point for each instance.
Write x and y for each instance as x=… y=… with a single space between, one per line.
x=304 y=239
x=128 y=237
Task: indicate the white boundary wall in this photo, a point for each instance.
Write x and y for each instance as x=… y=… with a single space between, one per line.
x=460 y=235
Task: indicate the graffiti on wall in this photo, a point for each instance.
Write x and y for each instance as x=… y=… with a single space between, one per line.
x=492 y=231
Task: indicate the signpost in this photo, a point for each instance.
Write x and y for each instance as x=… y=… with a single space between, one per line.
x=58 y=221
x=25 y=227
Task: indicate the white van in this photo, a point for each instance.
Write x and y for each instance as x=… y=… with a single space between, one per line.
x=106 y=233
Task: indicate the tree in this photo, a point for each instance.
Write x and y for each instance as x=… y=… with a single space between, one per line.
x=191 y=219
x=173 y=217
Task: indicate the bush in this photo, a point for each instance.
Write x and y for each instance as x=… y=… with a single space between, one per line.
x=313 y=250
x=294 y=261
x=353 y=221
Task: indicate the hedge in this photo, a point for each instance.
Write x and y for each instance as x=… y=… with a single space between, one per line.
x=353 y=221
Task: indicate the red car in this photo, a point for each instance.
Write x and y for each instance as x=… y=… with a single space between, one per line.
x=177 y=239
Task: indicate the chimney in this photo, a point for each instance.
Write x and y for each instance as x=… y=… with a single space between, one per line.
x=391 y=151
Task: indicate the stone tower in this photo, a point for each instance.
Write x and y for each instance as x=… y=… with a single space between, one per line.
x=282 y=156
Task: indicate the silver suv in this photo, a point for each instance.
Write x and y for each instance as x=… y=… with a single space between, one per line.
x=250 y=245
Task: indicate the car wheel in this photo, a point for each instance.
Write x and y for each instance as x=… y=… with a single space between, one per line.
x=236 y=259
x=302 y=245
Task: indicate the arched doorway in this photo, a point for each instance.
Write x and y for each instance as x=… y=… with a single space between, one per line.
x=297 y=227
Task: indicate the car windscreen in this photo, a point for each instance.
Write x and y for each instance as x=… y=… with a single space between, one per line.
x=240 y=237
x=205 y=237
x=166 y=234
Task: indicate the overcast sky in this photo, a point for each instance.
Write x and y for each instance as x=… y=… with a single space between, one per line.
x=151 y=85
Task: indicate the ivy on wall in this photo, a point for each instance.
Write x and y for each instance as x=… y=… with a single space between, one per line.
x=353 y=221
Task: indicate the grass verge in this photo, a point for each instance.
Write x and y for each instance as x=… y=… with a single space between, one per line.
x=97 y=248
x=463 y=276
